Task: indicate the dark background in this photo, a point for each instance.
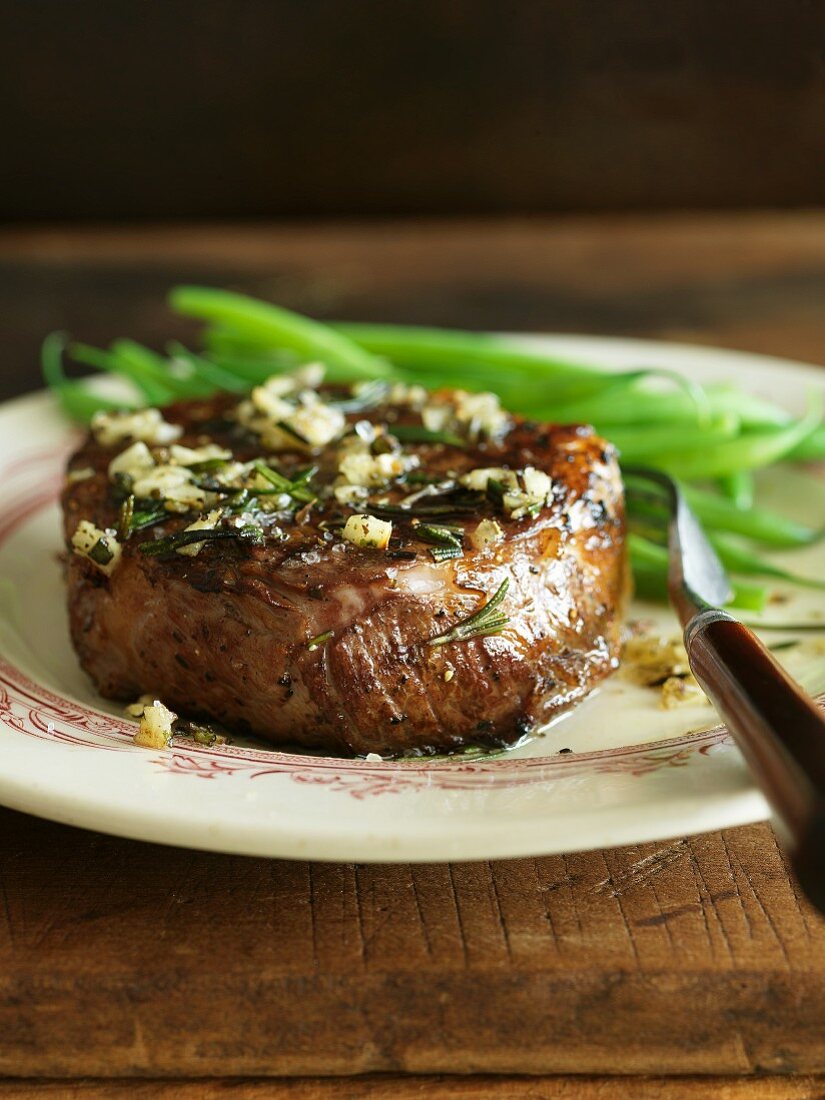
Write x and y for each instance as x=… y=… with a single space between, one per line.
x=118 y=109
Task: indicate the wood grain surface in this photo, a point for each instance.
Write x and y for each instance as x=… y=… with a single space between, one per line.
x=387 y=1087
x=122 y=958
x=755 y=282
x=690 y=957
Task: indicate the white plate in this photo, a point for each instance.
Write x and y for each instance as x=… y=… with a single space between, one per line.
x=637 y=773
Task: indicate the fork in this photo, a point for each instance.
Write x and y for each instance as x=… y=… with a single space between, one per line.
x=777 y=726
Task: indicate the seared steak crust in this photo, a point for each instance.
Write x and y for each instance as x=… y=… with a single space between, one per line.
x=224 y=634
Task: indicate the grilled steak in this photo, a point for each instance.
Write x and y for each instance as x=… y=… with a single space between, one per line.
x=293 y=611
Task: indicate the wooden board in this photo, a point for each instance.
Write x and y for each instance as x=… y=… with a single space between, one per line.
x=431 y=1088
x=696 y=956
x=122 y=958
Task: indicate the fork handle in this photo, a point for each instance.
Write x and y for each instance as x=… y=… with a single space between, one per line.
x=780 y=730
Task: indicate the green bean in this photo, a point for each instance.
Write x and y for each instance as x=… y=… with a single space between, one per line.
x=454 y=356
x=516 y=387
x=747 y=452
x=760 y=524
x=252 y=372
x=717 y=514
x=155 y=392
x=152 y=365
x=642 y=406
x=753 y=411
x=77 y=400
x=739 y=559
x=210 y=374
x=739 y=487
x=638 y=444
x=650 y=563
x=438 y=348
x=810 y=449
x=281 y=328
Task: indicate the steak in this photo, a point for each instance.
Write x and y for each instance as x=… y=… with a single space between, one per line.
x=299 y=623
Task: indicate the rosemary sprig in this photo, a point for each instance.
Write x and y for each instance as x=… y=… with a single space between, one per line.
x=297 y=489
x=446 y=540
x=496 y=491
x=445 y=553
x=440 y=534
x=319 y=640
x=249 y=533
x=138 y=515
x=487 y=620
x=423 y=509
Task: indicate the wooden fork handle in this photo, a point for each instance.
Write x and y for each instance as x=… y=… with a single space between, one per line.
x=780 y=730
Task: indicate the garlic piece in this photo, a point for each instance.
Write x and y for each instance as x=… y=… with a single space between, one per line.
x=100 y=547
x=155 y=729
x=367 y=531
x=146 y=425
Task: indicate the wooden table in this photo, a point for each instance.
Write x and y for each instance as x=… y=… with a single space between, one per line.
x=688 y=968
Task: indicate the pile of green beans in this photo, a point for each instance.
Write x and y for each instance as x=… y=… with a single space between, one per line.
x=711 y=438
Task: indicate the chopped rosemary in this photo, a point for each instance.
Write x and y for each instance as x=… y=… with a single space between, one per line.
x=423 y=509
x=496 y=491
x=445 y=553
x=420 y=477
x=100 y=553
x=207 y=465
x=296 y=489
x=137 y=515
x=447 y=540
x=440 y=534
x=319 y=640
x=250 y=533
x=487 y=620
x=414 y=433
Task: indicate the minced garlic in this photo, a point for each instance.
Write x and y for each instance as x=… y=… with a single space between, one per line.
x=206 y=523
x=174 y=485
x=486 y=534
x=536 y=490
x=136 y=709
x=480 y=413
x=83 y=474
x=155 y=729
x=100 y=547
x=193 y=456
x=315 y=421
x=414 y=397
x=662 y=663
x=350 y=494
x=649 y=660
x=679 y=691
x=132 y=462
x=478 y=479
x=367 y=531
x=373 y=471
x=287 y=417
x=146 y=425
x=525 y=491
